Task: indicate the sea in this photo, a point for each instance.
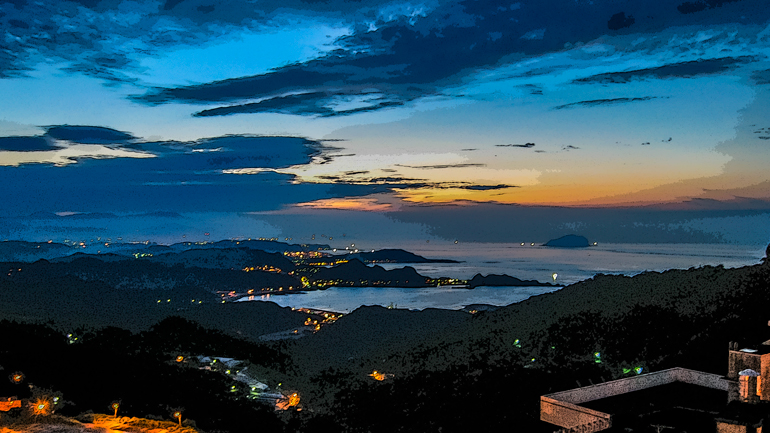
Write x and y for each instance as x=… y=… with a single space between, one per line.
x=562 y=266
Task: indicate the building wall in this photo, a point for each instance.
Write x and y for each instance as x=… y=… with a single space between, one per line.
x=568 y=415
x=764 y=384
x=723 y=427
x=708 y=380
x=739 y=361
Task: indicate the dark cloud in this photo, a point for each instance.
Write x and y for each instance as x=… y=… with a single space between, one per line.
x=25 y=144
x=303 y=104
x=620 y=21
x=690 y=7
x=400 y=51
x=88 y=134
x=761 y=77
x=181 y=177
x=170 y=4
x=442 y=166
x=487 y=187
x=597 y=102
x=410 y=57
x=525 y=146
x=18 y=24
x=675 y=70
x=533 y=89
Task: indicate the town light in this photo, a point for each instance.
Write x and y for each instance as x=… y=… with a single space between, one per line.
x=115 y=405
x=41 y=406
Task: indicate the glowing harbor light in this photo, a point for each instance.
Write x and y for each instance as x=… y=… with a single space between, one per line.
x=554 y=276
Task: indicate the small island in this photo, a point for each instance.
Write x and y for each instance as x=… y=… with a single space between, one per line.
x=569 y=241
x=503 y=280
x=396 y=255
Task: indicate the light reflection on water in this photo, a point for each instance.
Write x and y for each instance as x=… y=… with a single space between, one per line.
x=347 y=299
x=577 y=264
x=524 y=262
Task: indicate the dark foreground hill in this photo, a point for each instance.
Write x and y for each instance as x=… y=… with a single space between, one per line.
x=456 y=372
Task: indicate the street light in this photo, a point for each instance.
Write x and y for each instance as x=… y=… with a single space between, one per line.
x=178 y=415
x=115 y=405
x=17 y=377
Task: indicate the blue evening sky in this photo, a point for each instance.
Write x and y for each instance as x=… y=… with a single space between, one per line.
x=267 y=116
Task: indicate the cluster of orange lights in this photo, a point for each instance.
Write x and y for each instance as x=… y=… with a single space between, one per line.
x=379 y=376
x=286 y=403
x=303 y=254
x=262 y=268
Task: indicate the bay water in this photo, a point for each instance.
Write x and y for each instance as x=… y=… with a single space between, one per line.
x=563 y=266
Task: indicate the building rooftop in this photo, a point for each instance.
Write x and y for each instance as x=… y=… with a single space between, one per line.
x=744 y=413
x=681 y=407
x=762 y=348
x=663 y=397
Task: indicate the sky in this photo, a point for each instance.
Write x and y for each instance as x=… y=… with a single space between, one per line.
x=626 y=121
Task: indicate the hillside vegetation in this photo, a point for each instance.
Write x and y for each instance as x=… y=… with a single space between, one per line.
x=442 y=371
